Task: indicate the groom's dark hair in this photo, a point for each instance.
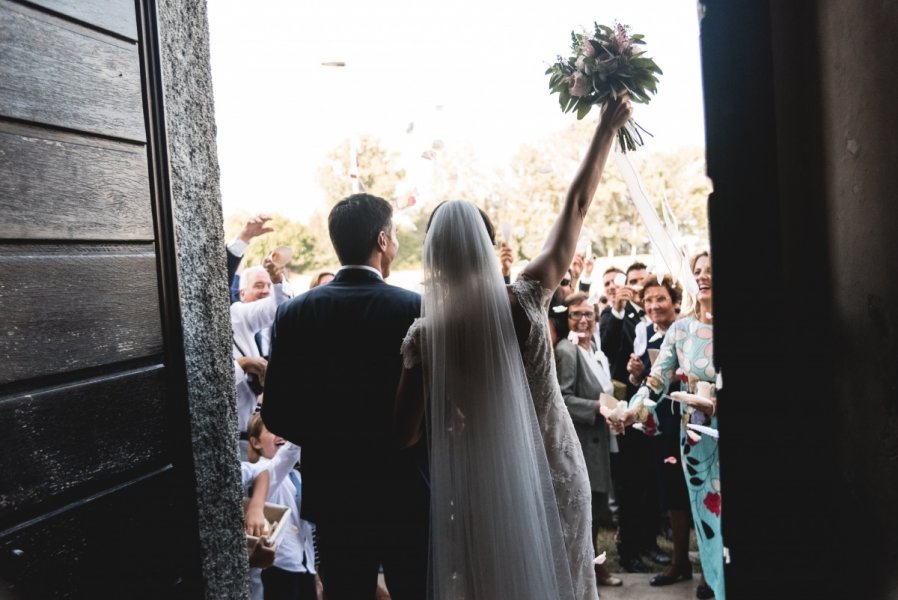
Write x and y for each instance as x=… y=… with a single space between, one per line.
x=354 y=224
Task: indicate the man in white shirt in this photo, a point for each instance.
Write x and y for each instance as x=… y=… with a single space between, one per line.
x=254 y=227
x=262 y=290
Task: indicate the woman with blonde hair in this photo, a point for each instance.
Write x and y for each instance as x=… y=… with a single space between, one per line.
x=689 y=347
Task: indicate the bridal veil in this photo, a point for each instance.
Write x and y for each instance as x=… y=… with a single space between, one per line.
x=495 y=529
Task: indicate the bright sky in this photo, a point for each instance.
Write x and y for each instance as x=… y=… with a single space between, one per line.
x=467 y=73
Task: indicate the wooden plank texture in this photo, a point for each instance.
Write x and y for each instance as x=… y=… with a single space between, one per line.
x=117 y=16
x=68 y=436
x=132 y=543
x=72 y=307
x=55 y=185
x=58 y=73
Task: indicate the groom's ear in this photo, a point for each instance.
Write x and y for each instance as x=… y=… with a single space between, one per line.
x=383 y=240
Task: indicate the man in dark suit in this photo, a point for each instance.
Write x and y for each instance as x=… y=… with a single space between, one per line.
x=636 y=487
x=330 y=388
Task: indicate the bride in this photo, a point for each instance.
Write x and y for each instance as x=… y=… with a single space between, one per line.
x=510 y=496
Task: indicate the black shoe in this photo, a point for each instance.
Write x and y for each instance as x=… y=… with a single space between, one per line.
x=658 y=557
x=671 y=575
x=634 y=565
x=704 y=592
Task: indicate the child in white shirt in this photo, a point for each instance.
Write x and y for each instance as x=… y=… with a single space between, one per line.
x=293 y=575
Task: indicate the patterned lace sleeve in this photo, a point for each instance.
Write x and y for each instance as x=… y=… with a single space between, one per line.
x=411 y=346
x=534 y=299
x=532 y=296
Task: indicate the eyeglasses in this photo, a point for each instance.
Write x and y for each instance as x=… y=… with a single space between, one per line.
x=577 y=315
x=565 y=282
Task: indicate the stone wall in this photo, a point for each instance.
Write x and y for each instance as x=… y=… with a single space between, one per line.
x=190 y=125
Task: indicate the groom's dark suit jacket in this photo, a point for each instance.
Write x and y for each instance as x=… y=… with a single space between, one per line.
x=331 y=382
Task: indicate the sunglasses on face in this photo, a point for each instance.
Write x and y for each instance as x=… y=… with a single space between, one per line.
x=565 y=282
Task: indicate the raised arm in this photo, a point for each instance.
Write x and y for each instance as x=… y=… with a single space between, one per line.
x=550 y=265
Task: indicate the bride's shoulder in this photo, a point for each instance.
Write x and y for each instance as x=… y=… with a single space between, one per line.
x=530 y=291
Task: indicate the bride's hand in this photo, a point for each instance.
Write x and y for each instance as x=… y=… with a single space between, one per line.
x=616 y=113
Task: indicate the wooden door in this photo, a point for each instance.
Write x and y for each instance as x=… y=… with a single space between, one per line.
x=96 y=480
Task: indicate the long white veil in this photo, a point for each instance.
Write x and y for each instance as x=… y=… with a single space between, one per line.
x=495 y=529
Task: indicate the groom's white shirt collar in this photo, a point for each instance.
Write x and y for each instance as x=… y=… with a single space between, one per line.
x=366 y=267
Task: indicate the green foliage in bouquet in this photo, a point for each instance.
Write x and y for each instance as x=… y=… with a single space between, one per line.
x=601 y=68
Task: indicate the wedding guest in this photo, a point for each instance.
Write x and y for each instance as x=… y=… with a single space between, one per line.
x=255 y=490
x=262 y=290
x=254 y=227
x=584 y=284
x=636 y=489
x=609 y=287
x=583 y=374
x=635 y=276
x=322 y=278
x=689 y=346
x=557 y=311
x=661 y=300
x=292 y=576
x=506 y=259
x=617 y=324
x=576 y=269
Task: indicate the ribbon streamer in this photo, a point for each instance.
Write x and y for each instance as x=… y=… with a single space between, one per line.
x=663 y=240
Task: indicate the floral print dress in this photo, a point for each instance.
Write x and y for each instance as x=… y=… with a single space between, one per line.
x=687 y=354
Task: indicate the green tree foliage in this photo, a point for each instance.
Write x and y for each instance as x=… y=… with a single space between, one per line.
x=523 y=199
x=379 y=174
x=539 y=176
x=379 y=170
x=286 y=232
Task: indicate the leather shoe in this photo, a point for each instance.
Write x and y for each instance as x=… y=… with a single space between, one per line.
x=704 y=592
x=658 y=557
x=603 y=577
x=634 y=565
x=671 y=575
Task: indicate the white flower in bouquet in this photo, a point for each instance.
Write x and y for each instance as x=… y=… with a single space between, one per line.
x=603 y=67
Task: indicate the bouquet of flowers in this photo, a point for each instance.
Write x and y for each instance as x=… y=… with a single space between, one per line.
x=602 y=67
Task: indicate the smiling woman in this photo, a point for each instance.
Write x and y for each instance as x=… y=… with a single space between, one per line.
x=688 y=348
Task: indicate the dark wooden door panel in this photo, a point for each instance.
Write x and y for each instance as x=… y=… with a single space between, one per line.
x=97 y=492
x=127 y=543
x=116 y=16
x=80 y=435
x=68 y=307
x=58 y=73
x=55 y=185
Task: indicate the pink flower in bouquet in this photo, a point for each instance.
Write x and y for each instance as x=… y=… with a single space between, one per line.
x=620 y=39
x=578 y=85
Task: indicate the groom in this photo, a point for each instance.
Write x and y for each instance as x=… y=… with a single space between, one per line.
x=330 y=388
